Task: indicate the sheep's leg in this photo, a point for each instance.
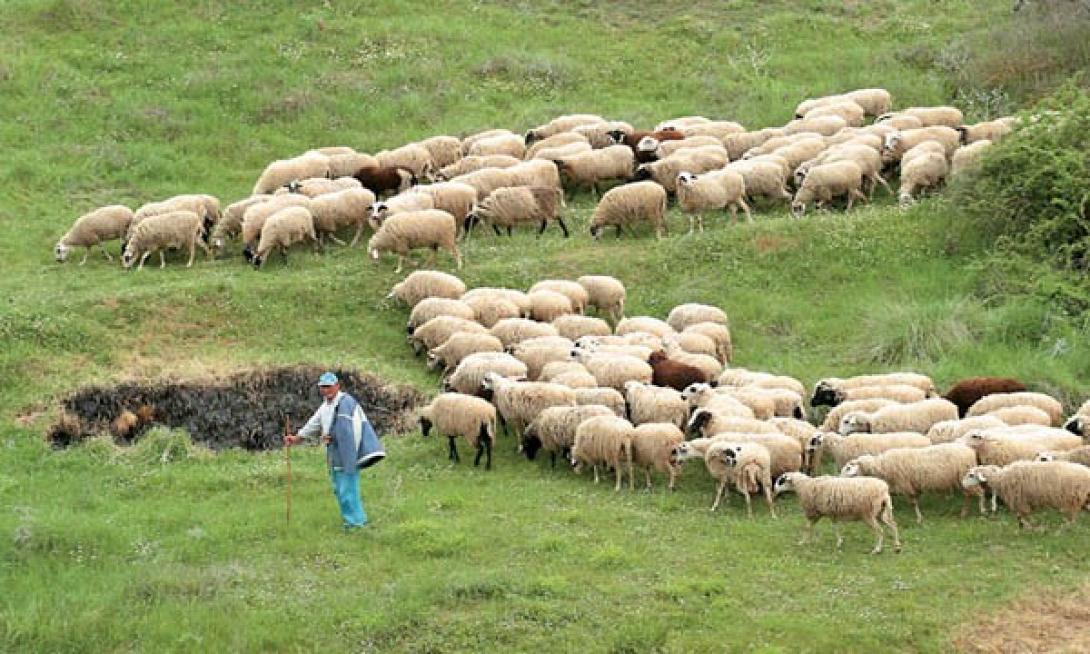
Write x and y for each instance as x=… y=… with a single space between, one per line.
x=915 y=499
x=595 y=468
x=749 y=505
x=965 y=504
x=433 y=256
x=857 y=194
x=873 y=524
x=457 y=256
x=673 y=476
x=881 y=180
x=453 y=455
x=356 y=236
x=86 y=254
x=162 y=259
x=336 y=240
x=722 y=486
x=839 y=534
x=563 y=227
x=745 y=208
x=192 y=254
x=104 y=252
x=480 y=451
x=887 y=519
x=619 y=472
x=768 y=500
x=510 y=230
x=142 y=260
x=808 y=533
x=552 y=460
x=207 y=250
x=496 y=229
x=488 y=454
x=541 y=228
x=400 y=262
x=647 y=477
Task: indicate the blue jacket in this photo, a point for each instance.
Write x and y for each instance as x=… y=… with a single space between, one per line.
x=354 y=444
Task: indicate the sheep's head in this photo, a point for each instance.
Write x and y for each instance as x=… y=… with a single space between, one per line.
x=473 y=217
x=695 y=393
x=294 y=186
x=128 y=258
x=378 y=211
x=683 y=452
x=531 y=136
x=854 y=423
x=798 y=207
x=616 y=136
x=853 y=468
x=1076 y=425
x=976 y=476
x=892 y=141
x=973 y=438
x=699 y=419
x=656 y=357
x=434 y=361
x=596 y=231
x=684 y=178
x=60 y=252
x=1045 y=456
x=648 y=144
x=824 y=394
x=785 y=483
x=258 y=261
x=729 y=455
x=425 y=426
x=643 y=172
x=814 y=443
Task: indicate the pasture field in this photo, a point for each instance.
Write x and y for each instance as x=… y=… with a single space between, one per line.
x=168 y=547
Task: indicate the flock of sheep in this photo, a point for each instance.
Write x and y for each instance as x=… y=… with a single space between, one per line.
x=641 y=393
x=505 y=180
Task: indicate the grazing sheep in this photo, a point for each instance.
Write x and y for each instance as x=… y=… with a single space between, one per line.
x=737 y=144
x=560 y=124
x=930 y=116
x=536 y=353
x=967 y=157
x=898 y=121
x=518 y=298
x=452 y=197
x=846 y=448
x=1000 y=447
x=629 y=205
x=468 y=165
x=1029 y=485
x=427 y=283
x=489 y=310
x=416 y=229
x=412 y=156
x=989 y=130
x=557 y=368
x=647 y=403
x=486 y=180
x=553 y=430
x=600 y=135
x=469 y=374
x=606 y=294
x=507 y=144
x=454 y=415
x=743 y=377
x=556 y=141
x=282 y=171
x=924 y=171
x=867 y=158
x=436 y=331
x=718 y=333
x=847 y=110
x=912 y=471
x=823 y=125
x=1079 y=455
x=468 y=141
x=604 y=440
x=459 y=346
x=1022 y=415
x=949 y=431
x=831 y=422
x=514 y=330
x=231 y=223
x=574 y=326
x=614 y=370
x=749 y=465
x=993 y=401
x=707 y=423
x=334 y=211
x=652 y=448
x=537 y=172
x=801 y=431
x=205 y=206
x=432 y=307
x=966 y=392
x=900 y=142
x=922 y=382
x=874 y=102
x=255 y=217
x=827 y=181
x=703 y=395
x=283 y=229
x=762 y=178
x=591 y=168
x=346 y=163
x=519 y=205
x=401 y=203
x=915 y=417
x=578 y=295
x=547 y=306
x=692 y=160
x=175 y=230
x=684 y=315
x=95 y=228
x=607 y=397
x=842 y=498
x=444 y=150
x=718 y=189
x=519 y=402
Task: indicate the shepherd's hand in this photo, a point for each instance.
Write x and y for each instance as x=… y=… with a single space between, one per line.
x=291 y=439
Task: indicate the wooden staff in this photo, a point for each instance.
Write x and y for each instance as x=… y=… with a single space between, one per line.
x=287 y=459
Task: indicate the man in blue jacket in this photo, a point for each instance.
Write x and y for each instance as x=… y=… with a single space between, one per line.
x=351 y=445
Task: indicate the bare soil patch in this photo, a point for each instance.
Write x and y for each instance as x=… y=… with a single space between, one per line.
x=1044 y=621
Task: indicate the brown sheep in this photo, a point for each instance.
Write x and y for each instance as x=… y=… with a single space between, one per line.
x=673 y=374
x=385 y=179
x=966 y=392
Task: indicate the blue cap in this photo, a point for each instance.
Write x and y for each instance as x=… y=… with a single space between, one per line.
x=327 y=379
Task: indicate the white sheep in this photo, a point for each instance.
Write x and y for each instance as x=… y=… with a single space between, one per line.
x=507 y=144
x=1003 y=446
x=282 y=171
x=468 y=165
x=1079 y=455
x=95 y=228
x=718 y=333
x=706 y=423
x=454 y=415
x=606 y=397
x=454 y=198
x=514 y=330
x=469 y=374
x=347 y=164
x=843 y=498
x=398 y=204
x=604 y=440
x=490 y=309
x=949 y=431
x=828 y=181
x=560 y=124
x=560 y=140
x=468 y=141
x=316 y=186
x=990 y=130
x=562 y=151
x=693 y=160
x=739 y=143
x=413 y=157
x=537 y=172
x=749 y=465
x=519 y=402
x=231 y=223
x=416 y=229
x=714 y=128
x=913 y=471
x=667 y=148
x=1046 y=403
x=547 y=306
x=255 y=217
x=647 y=324
x=629 y=205
x=823 y=125
x=900 y=142
x=694 y=343
x=283 y=229
x=519 y=205
x=432 y=307
x=516 y=297
x=537 y=352
x=1028 y=485
x=915 y=417
x=847 y=110
x=714 y=190
x=614 y=370
x=574 y=326
x=924 y=171
x=784 y=451
x=845 y=448
x=459 y=346
x=762 y=178
x=335 y=211
x=436 y=331
x=444 y=150
x=1022 y=415
x=175 y=230
x=600 y=135
x=929 y=116
x=591 y=168
x=652 y=447
x=553 y=430
x=648 y=403
x=422 y=284
x=967 y=157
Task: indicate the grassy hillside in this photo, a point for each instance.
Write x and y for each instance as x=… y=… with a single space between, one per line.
x=128 y=102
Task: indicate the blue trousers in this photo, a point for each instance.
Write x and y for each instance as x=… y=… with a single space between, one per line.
x=346 y=486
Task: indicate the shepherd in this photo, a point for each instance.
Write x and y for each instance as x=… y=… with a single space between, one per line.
x=351 y=445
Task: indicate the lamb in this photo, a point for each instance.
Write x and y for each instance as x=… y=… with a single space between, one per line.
x=913 y=471
x=459 y=346
x=990 y=130
x=444 y=150
x=454 y=415
x=999 y=446
x=519 y=402
x=285 y=228
x=924 y=171
x=436 y=331
x=900 y=142
x=647 y=403
x=416 y=229
x=95 y=228
x=452 y=197
x=628 y=205
x=652 y=446
x=606 y=397
x=574 y=326
x=1079 y=455
x=401 y=203
x=432 y=307
x=1022 y=415
x=827 y=181
x=427 y=283
x=762 y=178
x=178 y=229
x=916 y=417
x=519 y=205
x=591 y=168
x=846 y=448
x=255 y=217
x=606 y=440
x=561 y=124
x=514 y=330
x=469 y=374
x=967 y=157
x=692 y=160
x=231 y=223
x=949 y=431
x=967 y=391
x=507 y=144
x=553 y=430
x=614 y=370
x=843 y=498
x=489 y=310
x=1030 y=485
x=413 y=156
x=468 y=165
x=994 y=401
x=347 y=208
x=282 y=171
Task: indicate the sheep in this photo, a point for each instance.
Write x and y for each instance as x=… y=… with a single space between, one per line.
x=535 y=173
x=796 y=153
x=1021 y=415
x=557 y=368
x=967 y=391
x=231 y=224
x=922 y=382
x=606 y=294
x=680 y=122
x=912 y=471
x=693 y=160
x=867 y=158
x=553 y=430
x=347 y=164
x=924 y=171
x=459 y=346
x=916 y=417
x=1029 y=485
x=468 y=141
x=647 y=403
x=537 y=354
x=798 y=429
x=416 y=229
x=600 y=135
x=95 y=228
x=282 y=171
x=719 y=189
x=843 y=498
x=847 y=110
x=489 y=310
x=519 y=402
x=574 y=326
x=205 y=206
x=1077 y=423
x=444 y=150
x=563 y=151
x=749 y=466
x=737 y=144
x=561 y=124
x=846 y=448
x=990 y=130
x=520 y=205
x=706 y=423
x=874 y=102
x=667 y=148
x=178 y=229
x=561 y=140
x=431 y=307
x=993 y=401
x=614 y=370
x=628 y=205
x=513 y=330
x=931 y=116
x=831 y=422
x=413 y=157
x=652 y=447
x=652 y=140
x=785 y=452
x=827 y=181
x=693 y=343
x=899 y=121
x=436 y=331
x=823 y=125
x=786 y=403
x=809 y=104
x=518 y=298
x=685 y=315
x=900 y=142
x=967 y=157
x=255 y=217
x=427 y=283
x=469 y=374
x=743 y=377
x=454 y=415
x=454 y=198
x=762 y=178
x=486 y=180
x=949 y=431
x=472 y=164
x=576 y=379
x=507 y=144
x=591 y=168
x=401 y=203
x=1079 y=455
x=718 y=333
x=702 y=395
x=659 y=328
x=606 y=440
x=575 y=292
x=606 y=397
x=900 y=393
x=547 y=305
x=1000 y=446
x=316 y=186
x=347 y=208
x=282 y=230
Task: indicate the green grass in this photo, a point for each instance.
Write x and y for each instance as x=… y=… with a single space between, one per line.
x=127 y=102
